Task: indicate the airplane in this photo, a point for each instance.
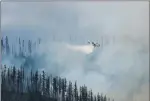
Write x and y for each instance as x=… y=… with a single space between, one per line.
x=94 y=44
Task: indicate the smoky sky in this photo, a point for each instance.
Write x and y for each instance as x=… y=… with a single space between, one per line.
x=119 y=68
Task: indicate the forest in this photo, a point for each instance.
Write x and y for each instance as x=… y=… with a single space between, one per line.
x=18 y=85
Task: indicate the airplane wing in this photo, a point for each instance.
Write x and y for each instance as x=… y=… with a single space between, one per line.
x=97 y=43
x=93 y=43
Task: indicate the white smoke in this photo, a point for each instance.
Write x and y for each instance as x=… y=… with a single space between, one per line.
x=87 y=49
x=119 y=69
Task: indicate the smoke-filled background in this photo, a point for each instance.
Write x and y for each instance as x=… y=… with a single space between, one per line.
x=119 y=68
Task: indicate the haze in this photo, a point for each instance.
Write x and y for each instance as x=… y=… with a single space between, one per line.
x=119 y=68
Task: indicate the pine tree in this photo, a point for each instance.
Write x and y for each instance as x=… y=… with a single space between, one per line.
x=23 y=48
x=31 y=81
x=105 y=99
x=98 y=97
x=75 y=91
x=4 y=78
x=36 y=81
x=43 y=83
x=7 y=46
x=13 y=76
x=29 y=47
x=64 y=85
x=80 y=97
x=38 y=87
x=8 y=79
x=84 y=93
x=95 y=98
x=91 y=95
x=51 y=86
x=60 y=85
x=18 y=81
x=22 y=79
x=101 y=97
x=2 y=45
x=48 y=86
x=55 y=86
x=19 y=46
x=69 y=93
x=40 y=83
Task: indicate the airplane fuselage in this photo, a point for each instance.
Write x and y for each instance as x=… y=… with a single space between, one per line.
x=94 y=44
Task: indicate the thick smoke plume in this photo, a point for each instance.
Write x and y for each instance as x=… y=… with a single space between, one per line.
x=119 y=68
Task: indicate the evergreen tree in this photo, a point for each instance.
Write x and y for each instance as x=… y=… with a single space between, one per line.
x=3 y=86
x=80 y=97
x=75 y=92
x=43 y=83
x=31 y=79
x=18 y=81
x=41 y=87
x=8 y=79
x=22 y=79
x=69 y=93
x=64 y=85
x=19 y=46
x=51 y=87
x=98 y=97
x=29 y=47
x=23 y=48
x=40 y=83
x=95 y=98
x=101 y=97
x=48 y=86
x=7 y=46
x=105 y=99
x=84 y=93
x=36 y=81
x=60 y=85
x=13 y=76
x=2 y=45
x=55 y=86
x=91 y=95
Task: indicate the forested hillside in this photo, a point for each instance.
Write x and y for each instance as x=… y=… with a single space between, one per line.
x=21 y=84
